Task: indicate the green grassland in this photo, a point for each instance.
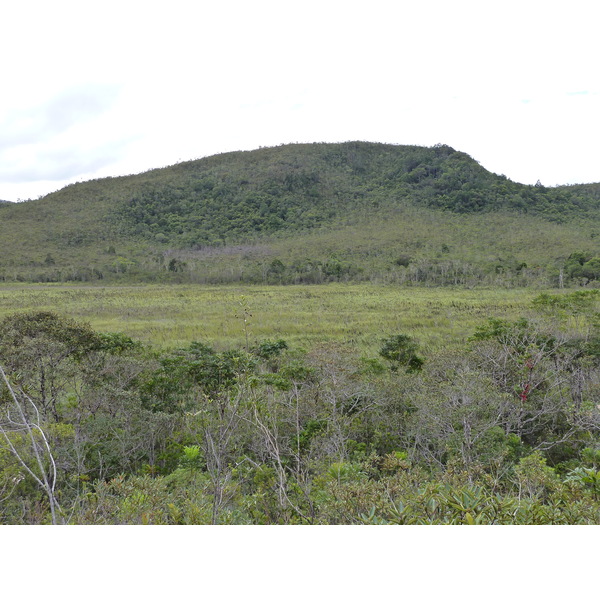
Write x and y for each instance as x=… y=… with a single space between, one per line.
x=355 y=314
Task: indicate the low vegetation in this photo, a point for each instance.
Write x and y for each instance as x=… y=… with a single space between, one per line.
x=490 y=416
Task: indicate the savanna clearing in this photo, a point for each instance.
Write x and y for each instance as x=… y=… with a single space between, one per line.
x=358 y=315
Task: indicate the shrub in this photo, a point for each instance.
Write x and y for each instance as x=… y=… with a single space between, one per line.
x=401 y=350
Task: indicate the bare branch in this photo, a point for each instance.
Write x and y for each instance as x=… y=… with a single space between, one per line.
x=28 y=426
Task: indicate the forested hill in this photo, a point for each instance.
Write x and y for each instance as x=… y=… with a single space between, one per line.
x=129 y=225
x=232 y=196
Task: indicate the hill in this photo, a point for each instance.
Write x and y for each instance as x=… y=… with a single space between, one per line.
x=309 y=213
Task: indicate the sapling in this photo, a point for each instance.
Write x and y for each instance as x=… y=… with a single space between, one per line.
x=24 y=418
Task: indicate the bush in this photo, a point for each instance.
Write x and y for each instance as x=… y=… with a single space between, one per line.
x=401 y=350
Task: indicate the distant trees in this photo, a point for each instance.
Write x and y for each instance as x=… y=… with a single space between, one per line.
x=582 y=266
x=276 y=196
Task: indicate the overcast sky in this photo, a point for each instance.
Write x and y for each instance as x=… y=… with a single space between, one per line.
x=92 y=89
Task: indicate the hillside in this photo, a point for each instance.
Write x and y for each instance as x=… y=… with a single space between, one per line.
x=308 y=213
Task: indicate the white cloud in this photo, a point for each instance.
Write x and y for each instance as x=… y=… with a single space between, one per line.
x=109 y=88
x=70 y=108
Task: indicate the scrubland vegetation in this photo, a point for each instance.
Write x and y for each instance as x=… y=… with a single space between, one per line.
x=312 y=334
x=310 y=404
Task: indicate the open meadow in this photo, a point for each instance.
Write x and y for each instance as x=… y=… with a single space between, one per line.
x=358 y=315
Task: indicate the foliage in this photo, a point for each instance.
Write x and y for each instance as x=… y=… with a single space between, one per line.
x=401 y=350
x=270 y=349
x=308 y=213
x=499 y=425
x=589 y=478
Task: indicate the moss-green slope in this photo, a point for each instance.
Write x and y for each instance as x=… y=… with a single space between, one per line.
x=356 y=210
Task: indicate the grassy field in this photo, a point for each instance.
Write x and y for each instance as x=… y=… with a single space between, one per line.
x=359 y=315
